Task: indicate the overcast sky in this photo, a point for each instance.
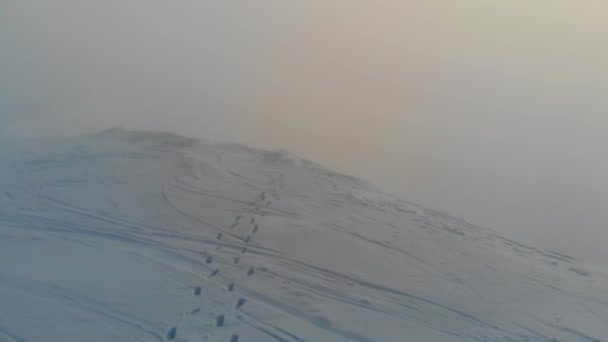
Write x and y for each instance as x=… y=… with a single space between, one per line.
x=495 y=111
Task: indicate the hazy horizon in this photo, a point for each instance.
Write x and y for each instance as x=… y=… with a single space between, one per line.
x=491 y=111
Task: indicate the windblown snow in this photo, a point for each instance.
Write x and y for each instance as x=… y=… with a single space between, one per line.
x=145 y=236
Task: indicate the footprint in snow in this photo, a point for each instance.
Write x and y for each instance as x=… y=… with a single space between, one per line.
x=219 y=321
x=171 y=334
x=197 y=291
x=240 y=303
x=209 y=259
x=250 y=271
x=214 y=273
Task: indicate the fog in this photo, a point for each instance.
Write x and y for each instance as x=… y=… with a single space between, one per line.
x=495 y=111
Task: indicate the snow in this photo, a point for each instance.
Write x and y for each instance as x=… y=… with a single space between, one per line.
x=137 y=236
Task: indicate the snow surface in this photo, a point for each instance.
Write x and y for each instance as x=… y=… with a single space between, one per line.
x=145 y=236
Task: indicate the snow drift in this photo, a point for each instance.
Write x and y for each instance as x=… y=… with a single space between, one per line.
x=146 y=236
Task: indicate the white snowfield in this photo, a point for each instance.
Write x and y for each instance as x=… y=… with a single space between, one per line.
x=143 y=236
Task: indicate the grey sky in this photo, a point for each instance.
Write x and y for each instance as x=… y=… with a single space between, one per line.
x=492 y=110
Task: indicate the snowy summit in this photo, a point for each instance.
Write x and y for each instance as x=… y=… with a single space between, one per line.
x=147 y=236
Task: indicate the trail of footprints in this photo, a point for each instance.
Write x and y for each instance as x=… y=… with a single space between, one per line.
x=220 y=320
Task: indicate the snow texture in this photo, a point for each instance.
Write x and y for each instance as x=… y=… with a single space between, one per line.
x=146 y=236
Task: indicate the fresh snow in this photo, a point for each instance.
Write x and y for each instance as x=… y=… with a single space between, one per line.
x=146 y=236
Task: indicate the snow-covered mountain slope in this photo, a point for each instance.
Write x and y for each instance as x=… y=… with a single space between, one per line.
x=141 y=236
